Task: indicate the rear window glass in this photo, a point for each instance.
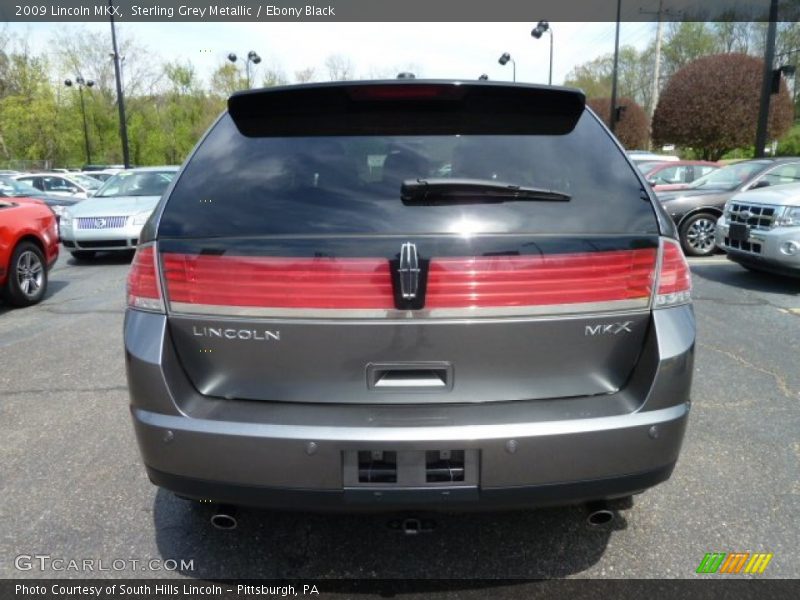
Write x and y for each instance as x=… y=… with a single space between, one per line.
x=250 y=186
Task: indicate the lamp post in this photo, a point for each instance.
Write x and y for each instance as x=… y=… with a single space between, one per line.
x=766 y=81
x=504 y=59
x=80 y=82
x=252 y=57
x=538 y=32
x=615 y=113
x=123 y=125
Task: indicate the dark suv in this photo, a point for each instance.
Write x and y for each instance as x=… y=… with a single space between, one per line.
x=405 y=294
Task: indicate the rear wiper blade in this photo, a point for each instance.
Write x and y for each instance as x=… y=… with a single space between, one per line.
x=432 y=191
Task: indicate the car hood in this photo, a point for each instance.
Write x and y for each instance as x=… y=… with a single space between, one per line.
x=788 y=195
x=113 y=206
x=50 y=200
x=706 y=194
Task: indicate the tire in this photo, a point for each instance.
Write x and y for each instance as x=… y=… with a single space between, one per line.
x=27 y=275
x=83 y=254
x=697 y=234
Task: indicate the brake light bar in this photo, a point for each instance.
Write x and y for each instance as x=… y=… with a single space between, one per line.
x=674 y=278
x=143 y=287
x=497 y=281
x=278 y=282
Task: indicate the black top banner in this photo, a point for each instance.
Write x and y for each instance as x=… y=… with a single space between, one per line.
x=394 y=10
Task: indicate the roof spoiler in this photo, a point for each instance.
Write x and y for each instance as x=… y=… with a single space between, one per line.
x=406 y=107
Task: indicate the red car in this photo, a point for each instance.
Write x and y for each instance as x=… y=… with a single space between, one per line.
x=675 y=175
x=28 y=249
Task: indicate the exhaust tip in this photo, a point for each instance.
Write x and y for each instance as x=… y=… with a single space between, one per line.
x=599 y=514
x=224 y=520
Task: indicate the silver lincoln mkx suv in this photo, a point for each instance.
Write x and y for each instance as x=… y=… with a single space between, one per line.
x=409 y=293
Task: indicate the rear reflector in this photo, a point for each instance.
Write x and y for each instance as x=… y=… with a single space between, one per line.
x=279 y=282
x=674 y=279
x=497 y=281
x=144 y=291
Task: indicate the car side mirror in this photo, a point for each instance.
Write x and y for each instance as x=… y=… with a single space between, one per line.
x=652 y=181
x=760 y=184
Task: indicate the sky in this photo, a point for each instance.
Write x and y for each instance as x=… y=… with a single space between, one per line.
x=440 y=50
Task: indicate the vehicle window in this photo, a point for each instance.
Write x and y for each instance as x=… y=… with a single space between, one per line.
x=142 y=183
x=667 y=175
x=730 y=177
x=789 y=173
x=646 y=165
x=57 y=184
x=351 y=184
x=87 y=182
x=36 y=182
x=12 y=187
x=702 y=171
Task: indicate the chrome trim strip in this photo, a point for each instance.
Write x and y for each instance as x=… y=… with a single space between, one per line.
x=186 y=308
x=413 y=433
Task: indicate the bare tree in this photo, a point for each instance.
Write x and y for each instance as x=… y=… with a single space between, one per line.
x=305 y=75
x=340 y=68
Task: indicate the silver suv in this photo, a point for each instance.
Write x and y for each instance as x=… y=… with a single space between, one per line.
x=409 y=293
x=760 y=229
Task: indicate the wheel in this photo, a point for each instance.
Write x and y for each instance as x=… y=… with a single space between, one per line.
x=83 y=254
x=27 y=275
x=697 y=234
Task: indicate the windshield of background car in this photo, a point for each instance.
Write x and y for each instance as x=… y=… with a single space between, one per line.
x=236 y=185
x=131 y=183
x=730 y=177
x=647 y=165
x=11 y=187
x=87 y=182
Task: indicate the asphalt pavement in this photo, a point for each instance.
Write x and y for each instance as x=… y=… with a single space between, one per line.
x=73 y=487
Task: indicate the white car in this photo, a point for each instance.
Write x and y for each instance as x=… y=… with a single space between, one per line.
x=61 y=184
x=113 y=218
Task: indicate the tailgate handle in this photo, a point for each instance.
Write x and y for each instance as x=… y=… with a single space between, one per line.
x=409 y=377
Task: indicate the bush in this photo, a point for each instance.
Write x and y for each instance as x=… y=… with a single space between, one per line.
x=712 y=103
x=633 y=128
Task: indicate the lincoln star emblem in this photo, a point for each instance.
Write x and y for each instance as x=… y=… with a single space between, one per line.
x=100 y=223
x=409 y=271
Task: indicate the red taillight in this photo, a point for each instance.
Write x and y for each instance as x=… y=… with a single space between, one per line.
x=674 y=278
x=144 y=291
x=278 y=282
x=497 y=281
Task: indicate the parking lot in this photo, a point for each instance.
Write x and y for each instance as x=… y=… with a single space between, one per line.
x=73 y=486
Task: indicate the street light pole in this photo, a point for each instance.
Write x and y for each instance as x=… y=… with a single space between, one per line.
x=80 y=82
x=123 y=126
x=613 y=120
x=252 y=57
x=85 y=127
x=504 y=59
x=541 y=28
x=766 y=82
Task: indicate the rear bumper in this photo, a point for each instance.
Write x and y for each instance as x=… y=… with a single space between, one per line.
x=530 y=453
x=348 y=500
